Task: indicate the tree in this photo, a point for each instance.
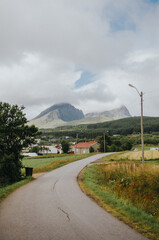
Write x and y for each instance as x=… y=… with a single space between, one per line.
x=101 y=141
x=15 y=134
x=91 y=149
x=35 y=149
x=65 y=146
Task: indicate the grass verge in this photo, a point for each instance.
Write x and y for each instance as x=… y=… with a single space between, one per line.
x=5 y=191
x=144 y=223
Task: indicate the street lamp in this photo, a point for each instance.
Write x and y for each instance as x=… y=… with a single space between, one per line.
x=142 y=131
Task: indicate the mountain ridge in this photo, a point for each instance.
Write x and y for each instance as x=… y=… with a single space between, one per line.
x=64 y=114
x=112 y=113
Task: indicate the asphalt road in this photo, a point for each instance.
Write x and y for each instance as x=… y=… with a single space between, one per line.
x=53 y=208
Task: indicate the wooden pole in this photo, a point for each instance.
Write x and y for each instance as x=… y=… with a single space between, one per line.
x=104 y=142
x=142 y=131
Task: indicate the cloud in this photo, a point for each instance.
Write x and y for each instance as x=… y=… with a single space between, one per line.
x=82 y=52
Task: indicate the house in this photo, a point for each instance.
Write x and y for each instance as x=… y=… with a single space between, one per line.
x=84 y=147
x=51 y=149
x=154 y=148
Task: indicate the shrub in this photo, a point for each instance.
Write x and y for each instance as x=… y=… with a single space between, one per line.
x=9 y=171
x=91 y=149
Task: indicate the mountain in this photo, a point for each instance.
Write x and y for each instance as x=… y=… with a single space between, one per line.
x=64 y=114
x=64 y=111
x=114 y=114
x=57 y=115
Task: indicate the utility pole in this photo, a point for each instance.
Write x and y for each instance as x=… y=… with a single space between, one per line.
x=104 y=142
x=76 y=138
x=142 y=130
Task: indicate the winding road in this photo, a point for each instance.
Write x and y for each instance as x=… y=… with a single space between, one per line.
x=54 y=208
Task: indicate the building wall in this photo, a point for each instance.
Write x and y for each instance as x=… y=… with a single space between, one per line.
x=85 y=150
x=81 y=150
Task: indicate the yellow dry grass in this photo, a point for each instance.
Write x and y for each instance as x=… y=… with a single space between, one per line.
x=135 y=155
x=134 y=169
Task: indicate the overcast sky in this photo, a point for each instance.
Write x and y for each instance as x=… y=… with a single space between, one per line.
x=83 y=52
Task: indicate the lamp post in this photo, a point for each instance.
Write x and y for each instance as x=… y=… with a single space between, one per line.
x=142 y=131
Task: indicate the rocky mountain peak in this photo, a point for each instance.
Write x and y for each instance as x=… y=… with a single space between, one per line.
x=65 y=111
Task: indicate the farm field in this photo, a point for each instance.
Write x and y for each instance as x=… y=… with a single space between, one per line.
x=149 y=155
x=127 y=189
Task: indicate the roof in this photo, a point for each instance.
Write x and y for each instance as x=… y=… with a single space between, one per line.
x=85 y=144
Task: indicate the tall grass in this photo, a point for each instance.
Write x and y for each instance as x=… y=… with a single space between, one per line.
x=135 y=183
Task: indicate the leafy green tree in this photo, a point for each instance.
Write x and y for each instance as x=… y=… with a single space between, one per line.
x=65 y=146
x=35 y=149
x=126 y=146
x=91 y=149
x=101 y=143
x=15 y=134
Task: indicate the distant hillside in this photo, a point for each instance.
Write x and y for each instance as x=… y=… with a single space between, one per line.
x=128 y=125
x=125 y=127
x=65 y=114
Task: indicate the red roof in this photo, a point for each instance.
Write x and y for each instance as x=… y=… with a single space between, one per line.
x=85 y=144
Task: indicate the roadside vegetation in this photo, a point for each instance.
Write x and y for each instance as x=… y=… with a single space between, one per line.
x=126 y=189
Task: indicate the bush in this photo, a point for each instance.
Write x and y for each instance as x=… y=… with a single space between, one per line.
x=91 y=149
x=9 y=170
